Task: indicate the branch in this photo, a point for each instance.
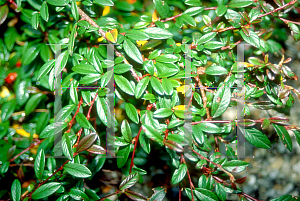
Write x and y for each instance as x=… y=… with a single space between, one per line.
x=135 y=145
x=277 y=9
x=28 y=148
x=287 y=21
x=71 y=122
x=203 y=96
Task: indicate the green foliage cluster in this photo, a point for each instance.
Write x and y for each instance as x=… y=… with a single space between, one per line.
x=175 y=72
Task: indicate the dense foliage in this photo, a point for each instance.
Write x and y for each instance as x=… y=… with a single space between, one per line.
x=174 y=69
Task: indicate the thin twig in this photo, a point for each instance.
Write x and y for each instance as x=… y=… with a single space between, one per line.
x=28 y=148
x=277 y=9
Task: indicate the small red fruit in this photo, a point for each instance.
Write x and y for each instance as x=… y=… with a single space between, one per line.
x=11 y=77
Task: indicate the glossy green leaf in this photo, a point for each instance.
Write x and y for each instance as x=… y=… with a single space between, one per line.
x=152 y=133
x=53 y=129
x=136 y=35
x=74 y=10
x=122 y=154
x=44 y=11
x=221 y=10
x=77 y=170
x=221 y=101
x=132 y=112
x=8 y=109
x=141 y=87
x=16 y=190
x=132 y=51
x=207 y=37
x=252 y=39
x=179 y=174
x=240 y=3
x=3 y=13
x=204 y=194
x=104 y=2
x=256 y=138
x=162 y=113
x=33 y=102
x=67 y=146
x=126 y=131
x=58 y=2
x=167 y=86
x=188 y=19
x=46 y=190
x=82 y=121
x=216 y=70
x=235 y=166
x=284 y=136
x=156 y=85
x=124 y=84
x=129 y=181
x=39 y=164
x=158 y=33
x=162 y=8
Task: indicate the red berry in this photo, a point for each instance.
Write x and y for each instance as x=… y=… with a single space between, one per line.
x=11 y=77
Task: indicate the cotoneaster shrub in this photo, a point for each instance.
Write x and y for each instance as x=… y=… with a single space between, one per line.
x=176 y=70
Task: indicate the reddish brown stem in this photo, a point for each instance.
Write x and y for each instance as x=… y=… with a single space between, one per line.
x=71 y=122
x=287 y=21
x=135 y=145
x=278 y=9
x=27 y=149
x=190 y=180
x=90 y=109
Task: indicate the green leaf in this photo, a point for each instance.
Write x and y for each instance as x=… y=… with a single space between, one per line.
x=221 y=10
x=235 y=166
x=167 y=58
x=207 y=37
x=77 y=170
x=122 y=154
x=132 y=51
x=156 y=85
x=179 y=174
x=297 y=135
x=212 y=45
x=158 y=33
x=78 y=194
x=210 y=128
x=198 y=134
x=122 y=68
x=102 y=110
x=124 y=84
x=256 y=138
x=104 y=2
x=162 y=113
x=84 y=69
x=159 y=194
x=216 y=70
x=65 y=112
x=72 y=39
x=220 y=191
x=284 y=136
x=44 y=11
x=7 y=109
x=39 y=164
x=240 y=3
x=96 y=149
x=221 y=101
x=3 y=13
x=86 y=142
x=154 y=54
x=152 y=133
x=129 y=181
x=10 y=37
x=135 y=196
x=252 y=39
x=35 y=20
x=82 y=121
x=286 y=198
x=74 y=10
x=53 y=129
x=67 y=146
x=33 y=102
x=173 y=145
x=132 y=112
x=204 y=194
x=193 y=11
x=136 y=35
x=58 y=2
x=188 y=19
x=30 y=55
x=16 y=190
x=144 y=142
x=167 y=86
x=141 y=87
x=126 y=131
x=45 y=190
x=162 y=8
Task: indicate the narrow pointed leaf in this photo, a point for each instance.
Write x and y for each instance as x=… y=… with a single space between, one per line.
x=39 y=164
x=77 y=170
x=129 y=181
x=86 y=142
x=45 y=190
